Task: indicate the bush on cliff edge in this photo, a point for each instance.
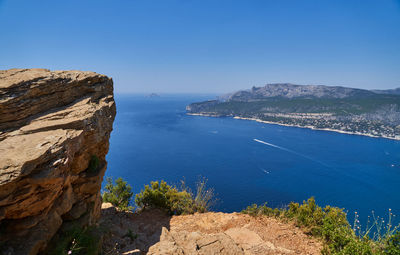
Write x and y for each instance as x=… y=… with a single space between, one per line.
x=332 y=226
x=173 y=200
x=120 y=194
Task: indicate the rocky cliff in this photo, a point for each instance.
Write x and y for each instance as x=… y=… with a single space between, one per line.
x=54 y=136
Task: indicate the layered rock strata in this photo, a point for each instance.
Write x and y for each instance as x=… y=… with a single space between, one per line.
x=54 y=137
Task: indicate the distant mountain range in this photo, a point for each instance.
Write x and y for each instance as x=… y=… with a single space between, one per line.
x=360 y=111
x=287 y=90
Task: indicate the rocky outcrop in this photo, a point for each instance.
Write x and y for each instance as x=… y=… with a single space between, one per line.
x=153 y=232
x=54 y=136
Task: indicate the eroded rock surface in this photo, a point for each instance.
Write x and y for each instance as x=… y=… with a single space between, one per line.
x=54 y=136
x=155 y=233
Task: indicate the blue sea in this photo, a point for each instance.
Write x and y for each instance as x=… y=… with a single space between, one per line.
x=153 y=139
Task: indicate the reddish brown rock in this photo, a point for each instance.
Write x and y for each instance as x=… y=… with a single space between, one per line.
x=52 y=124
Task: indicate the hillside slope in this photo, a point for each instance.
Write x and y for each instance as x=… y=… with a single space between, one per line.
x=341 y=109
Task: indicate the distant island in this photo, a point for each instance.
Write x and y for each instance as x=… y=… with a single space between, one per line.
x=373 y=113
x=152 y=95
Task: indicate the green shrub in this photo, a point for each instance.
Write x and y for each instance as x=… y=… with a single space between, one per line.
x=392 y=246
x=173 y=200
x=255 y=210
x=163 y=196
x=120 y=194
x=252 y=210
x=331 y=225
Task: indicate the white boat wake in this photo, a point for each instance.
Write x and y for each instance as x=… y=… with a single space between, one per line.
x=265 y=171
x=294 y=152
x=272 y=145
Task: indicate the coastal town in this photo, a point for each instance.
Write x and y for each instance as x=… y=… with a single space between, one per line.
x=319 y=122
x=332 y=108
x=326 y=121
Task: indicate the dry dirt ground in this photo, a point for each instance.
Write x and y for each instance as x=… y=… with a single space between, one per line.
x=153 y=232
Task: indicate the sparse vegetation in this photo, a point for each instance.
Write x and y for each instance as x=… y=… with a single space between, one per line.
x=77 y=241
x=173 y=200
x=331 y=225
x=205 y=197
x=120 y=194
x=392 y=246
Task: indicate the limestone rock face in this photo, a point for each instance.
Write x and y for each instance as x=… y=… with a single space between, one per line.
x=54 y=136
x=153 y=232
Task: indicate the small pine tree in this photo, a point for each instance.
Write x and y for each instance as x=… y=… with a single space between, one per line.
x=119 y=195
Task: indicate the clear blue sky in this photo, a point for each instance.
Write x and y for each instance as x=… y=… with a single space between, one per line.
x=207 y=45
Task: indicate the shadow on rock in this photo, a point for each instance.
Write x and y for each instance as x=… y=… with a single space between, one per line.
x=129 y=232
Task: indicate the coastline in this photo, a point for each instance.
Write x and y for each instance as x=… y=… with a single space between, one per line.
x=293 y=125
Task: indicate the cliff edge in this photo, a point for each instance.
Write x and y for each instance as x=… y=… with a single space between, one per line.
x=54 y=136
x=153 y=232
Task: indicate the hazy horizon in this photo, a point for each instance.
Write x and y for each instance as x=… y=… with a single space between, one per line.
x=208 y=46
x=219 y=93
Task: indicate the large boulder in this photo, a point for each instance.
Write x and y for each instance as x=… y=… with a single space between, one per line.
x=54 y=137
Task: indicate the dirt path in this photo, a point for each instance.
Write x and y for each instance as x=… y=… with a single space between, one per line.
x=153 y=232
